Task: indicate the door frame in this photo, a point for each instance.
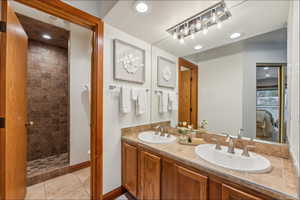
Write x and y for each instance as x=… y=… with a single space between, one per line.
x=76 y=16
x=194 y=99
x=281 y=89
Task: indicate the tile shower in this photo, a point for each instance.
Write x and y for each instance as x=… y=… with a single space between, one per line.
x=48 y=108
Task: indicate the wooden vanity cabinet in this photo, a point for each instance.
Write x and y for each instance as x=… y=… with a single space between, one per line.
x=190 y=185
x=149 y=171
x=130 y=168
x=150 y=176
x=230 y=193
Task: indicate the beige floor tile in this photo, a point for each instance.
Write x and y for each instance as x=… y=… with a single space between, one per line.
x=87 y=185
x=83 y=174
x=36 y=192
x=62 y=186
x=76 y=194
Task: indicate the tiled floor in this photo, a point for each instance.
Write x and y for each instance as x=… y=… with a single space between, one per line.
x=44 y=165
x=68 y=187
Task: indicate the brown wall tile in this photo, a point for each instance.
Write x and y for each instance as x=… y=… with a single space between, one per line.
x=48 y=100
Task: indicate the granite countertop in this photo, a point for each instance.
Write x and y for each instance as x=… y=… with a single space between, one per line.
x=279 y=183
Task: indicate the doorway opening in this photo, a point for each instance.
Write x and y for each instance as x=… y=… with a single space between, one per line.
x=14 y=91
x=188 y=93
x=271 y=104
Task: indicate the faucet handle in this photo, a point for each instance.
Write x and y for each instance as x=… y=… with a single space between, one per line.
x=239 y=136
x=246 y=150
x=218 y=146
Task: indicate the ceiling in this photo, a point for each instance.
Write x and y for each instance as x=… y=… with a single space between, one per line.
x=35 y=29
x=164 y=14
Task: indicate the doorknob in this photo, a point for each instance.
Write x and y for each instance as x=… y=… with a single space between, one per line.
x=30 y=123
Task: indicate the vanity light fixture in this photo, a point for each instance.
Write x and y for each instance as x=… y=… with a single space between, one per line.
x=141 y=6
x=46 y=36
x=198 y=47
x=235 y=35
x=213 y=15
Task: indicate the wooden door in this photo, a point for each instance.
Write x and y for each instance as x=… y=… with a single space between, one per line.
x=129 y=167
x=149 y=176
x=230 y=193
x=188 y=92
x=13 y=106
x=190 y=185
x=185 y=97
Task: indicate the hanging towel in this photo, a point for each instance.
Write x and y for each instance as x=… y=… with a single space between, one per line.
x=163 y=102
x=172 y=104
x=141 y=105
x=135 y=93
x=125 y=103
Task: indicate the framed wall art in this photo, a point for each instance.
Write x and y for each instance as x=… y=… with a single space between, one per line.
x=129 y=62
x=166 y=73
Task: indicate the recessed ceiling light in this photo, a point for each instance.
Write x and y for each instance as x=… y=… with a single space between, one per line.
x=266 y=68
x=141 y=6
x=197 y=47
x=268 y=75
x=46 y=36
x=235 y=35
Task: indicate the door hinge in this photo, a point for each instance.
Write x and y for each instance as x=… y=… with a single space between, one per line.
x=2 y=122
x=191 y=109
x=2 y=27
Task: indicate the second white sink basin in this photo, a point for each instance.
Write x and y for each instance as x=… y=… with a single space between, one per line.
x=253 y=164
x=150 y=137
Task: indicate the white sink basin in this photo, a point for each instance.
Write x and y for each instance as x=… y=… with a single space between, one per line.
x=253 y=164
x=150 y=137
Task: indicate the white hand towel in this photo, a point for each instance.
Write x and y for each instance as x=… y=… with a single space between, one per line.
x=163 y=102
x=141 y=102
x=135 y=93
x=172 y=101
x=125 y=103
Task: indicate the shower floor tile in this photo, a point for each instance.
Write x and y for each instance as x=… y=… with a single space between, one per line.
x=44 y=165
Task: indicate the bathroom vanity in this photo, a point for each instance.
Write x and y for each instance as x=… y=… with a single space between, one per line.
x=174 y=171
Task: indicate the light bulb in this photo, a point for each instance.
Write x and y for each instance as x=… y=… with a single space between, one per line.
x=175 y=35
x=214 y=17
x=205 y=29
x=219 y=24
x=186 y=30
x=192 y=35
x=198 y=24
x=181 y=40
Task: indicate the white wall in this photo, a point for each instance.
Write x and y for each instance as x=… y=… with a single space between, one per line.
x=80 y=71
x=227 y=84
x=220 y=89
x=293 y=81
x=155 y=115
x=113 y=120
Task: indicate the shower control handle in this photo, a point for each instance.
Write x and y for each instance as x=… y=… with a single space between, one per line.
x=30 y=123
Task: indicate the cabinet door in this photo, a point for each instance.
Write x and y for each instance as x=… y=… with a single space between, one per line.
x=129 y=168
x=149 y=176
x=190 y=185
x=168 y=173
x=229 y=193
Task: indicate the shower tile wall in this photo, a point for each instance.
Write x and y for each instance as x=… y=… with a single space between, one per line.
x=48 y=100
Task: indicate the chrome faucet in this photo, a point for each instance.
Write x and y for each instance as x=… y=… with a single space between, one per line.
x=246 y=150
x=157 y=130
x=230 y=141
x=239 y=136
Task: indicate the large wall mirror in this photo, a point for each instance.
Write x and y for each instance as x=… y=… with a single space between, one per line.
x=241 y=74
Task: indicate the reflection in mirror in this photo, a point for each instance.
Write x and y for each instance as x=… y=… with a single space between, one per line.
x=270 y=102
x=242 y=86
